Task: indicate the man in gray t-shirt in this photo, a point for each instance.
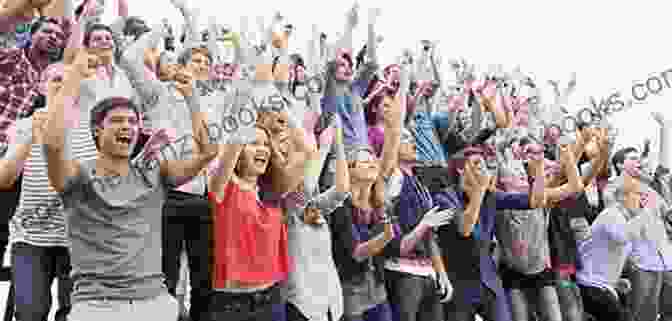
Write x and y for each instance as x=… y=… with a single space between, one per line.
x=113 y=204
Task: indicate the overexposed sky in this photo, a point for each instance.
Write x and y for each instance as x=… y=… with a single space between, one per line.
x=609 y=44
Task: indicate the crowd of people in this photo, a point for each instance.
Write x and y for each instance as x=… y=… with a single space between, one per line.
x=324 y=185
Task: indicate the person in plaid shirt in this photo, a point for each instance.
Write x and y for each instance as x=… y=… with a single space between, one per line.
x=20 y=70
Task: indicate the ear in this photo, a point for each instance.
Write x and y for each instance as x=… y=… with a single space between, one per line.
x=97 y=132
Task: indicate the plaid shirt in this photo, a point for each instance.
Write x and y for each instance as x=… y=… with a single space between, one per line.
x=19 y=81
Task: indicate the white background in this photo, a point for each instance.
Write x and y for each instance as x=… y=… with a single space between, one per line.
x=609 y=44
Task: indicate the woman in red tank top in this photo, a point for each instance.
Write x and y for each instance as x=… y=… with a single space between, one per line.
x=250 y=237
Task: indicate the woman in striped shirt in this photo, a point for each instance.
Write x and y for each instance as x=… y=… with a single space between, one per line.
x=38 y=229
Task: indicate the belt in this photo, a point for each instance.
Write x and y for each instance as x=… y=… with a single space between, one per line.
x=244 y=302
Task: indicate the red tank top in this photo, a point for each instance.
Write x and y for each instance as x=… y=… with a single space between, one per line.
x=250 y=239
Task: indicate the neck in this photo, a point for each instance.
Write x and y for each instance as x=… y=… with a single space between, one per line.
x=108 y=165
x=38 y=58
x=248 y=182
x=361 y=194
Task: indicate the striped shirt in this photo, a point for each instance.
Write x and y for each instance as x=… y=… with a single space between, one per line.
x=39 y=218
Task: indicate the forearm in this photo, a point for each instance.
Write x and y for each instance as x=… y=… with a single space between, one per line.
x=537 y=190
x=12 y=164
x=371 y=247
x=435 y=70
x=220 y=172
x=371 y=44
x=15 y=8
x=191 y=26
x=471 y=213
x=436 y=257
x=391 y=146
x=122 y=8
x=345 y=42
x=665 y=148
x=342 y=171
x=133 y=63
x=63 y=109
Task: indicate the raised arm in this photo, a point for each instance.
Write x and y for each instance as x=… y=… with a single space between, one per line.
x=221 y=170
x=574 y=182
x=19 y=144
x=665 y=142
x=133 y=62
x=334 y=197
x=191 y=22
x=205 y=148
x=61 y=167
x=14 y=12
x=345 y=42
x=288 y=175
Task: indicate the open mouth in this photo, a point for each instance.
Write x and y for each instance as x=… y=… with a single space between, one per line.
x=260 y=160
x=123 y=140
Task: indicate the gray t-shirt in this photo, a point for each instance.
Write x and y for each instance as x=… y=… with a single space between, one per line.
x=523 y=239
x=115 y=231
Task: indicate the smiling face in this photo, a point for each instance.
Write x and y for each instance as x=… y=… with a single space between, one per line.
x=363 y=167
x=344 y=66
x=254 y=157
x=49 y=38
x=199 y=64
x=167 y=72
x=118 y=132
x=102 y=44
x=632 y=164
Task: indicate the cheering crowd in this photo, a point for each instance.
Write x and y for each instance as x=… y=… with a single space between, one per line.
x=321 y=186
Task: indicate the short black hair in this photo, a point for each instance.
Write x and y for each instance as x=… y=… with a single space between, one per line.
x=101 y=109
x=619 y=158
x=135 y=27
x=94 y=27
x=37 y=24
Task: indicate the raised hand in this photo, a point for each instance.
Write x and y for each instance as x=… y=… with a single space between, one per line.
x=374 y=13
x=150 y=152
x=435 y=218
x=658 y=117
x=444 y=287
x=179 y=4
x=353 y=16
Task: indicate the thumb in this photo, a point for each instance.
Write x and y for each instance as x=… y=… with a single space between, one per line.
x=432 y=210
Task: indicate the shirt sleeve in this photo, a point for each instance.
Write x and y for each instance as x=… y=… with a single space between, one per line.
x=330 y=200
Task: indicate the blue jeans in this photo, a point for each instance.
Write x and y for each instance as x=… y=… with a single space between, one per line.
x=34 y=269
x=412 y=297
x=666 y=297
x=569 y=296
x=645 y=295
